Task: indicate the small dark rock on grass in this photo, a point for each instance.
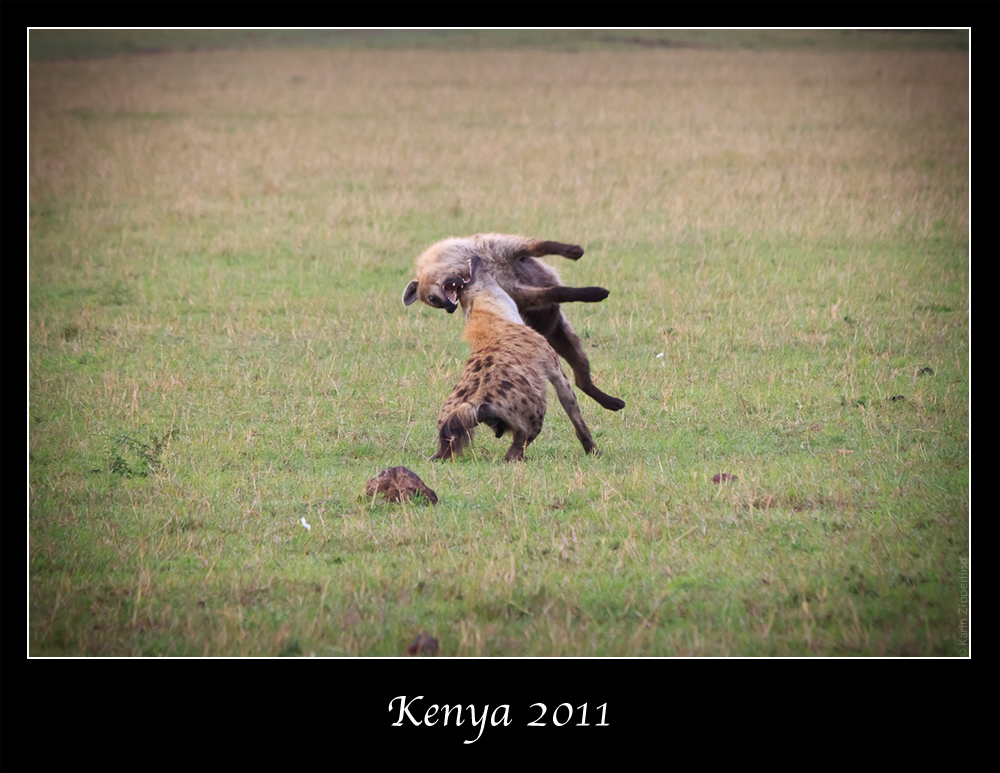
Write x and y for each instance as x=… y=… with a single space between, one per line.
x=399 y=484
x=422 y=645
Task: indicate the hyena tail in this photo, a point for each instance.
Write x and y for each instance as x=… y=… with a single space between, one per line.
x=456 y=431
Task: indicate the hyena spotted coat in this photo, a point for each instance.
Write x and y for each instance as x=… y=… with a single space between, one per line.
x=533 y=285
x=503 y=384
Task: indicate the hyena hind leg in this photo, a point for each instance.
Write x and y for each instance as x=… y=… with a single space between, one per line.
x=516 y=451
x=565 y=394
x=567 y=345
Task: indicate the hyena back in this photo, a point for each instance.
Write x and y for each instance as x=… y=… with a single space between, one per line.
x=533 y=285
x=504 y=381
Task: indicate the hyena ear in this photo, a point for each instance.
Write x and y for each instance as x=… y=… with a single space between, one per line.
x=410 y=293
x=474 y=263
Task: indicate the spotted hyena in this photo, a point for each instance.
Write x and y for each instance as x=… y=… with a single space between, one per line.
x=533 y=285
x=503 y=384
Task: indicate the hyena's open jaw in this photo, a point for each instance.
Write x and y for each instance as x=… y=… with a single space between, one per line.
x=451 y=286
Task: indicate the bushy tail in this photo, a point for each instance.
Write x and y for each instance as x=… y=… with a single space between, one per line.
x=456 y=431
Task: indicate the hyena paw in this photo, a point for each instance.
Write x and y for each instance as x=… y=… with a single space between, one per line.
x=571 y=251
x=594 y=294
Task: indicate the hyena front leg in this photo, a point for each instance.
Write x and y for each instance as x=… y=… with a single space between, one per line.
x=537 y=249
x=565 y=394
x=529 y=298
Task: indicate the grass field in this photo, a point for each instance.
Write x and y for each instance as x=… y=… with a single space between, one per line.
x=217 y=349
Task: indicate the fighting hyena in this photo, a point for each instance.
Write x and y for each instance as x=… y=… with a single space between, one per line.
x=503 y=384
x=533 y=285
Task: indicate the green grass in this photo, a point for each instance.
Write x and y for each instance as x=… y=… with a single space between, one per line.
x=46 y=45
x=219 y=241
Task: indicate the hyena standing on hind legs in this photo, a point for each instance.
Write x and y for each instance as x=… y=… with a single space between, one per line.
x=533 y=285
x=503 y=384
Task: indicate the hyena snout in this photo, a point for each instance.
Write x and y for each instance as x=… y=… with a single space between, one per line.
x=451 y=286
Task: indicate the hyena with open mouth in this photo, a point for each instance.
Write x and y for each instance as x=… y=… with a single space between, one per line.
x=504 y=381
x=533 y=286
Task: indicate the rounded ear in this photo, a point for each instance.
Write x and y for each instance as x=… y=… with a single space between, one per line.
x=410 y=293
x=474 y=263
